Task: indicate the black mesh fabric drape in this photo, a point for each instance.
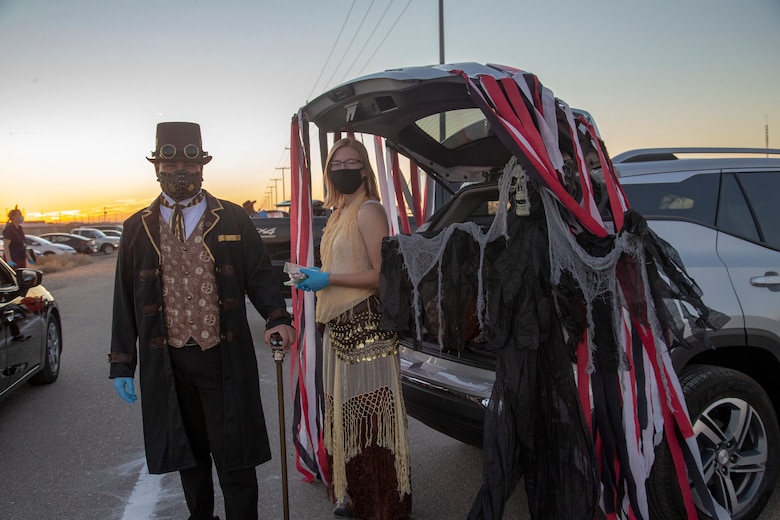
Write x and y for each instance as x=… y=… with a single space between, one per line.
x=534 y=427
x=452 y=283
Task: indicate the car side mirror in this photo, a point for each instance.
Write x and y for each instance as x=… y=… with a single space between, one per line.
x=28 y=278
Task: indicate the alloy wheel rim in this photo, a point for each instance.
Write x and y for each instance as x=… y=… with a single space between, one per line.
x=53 y=348
x=732 y=441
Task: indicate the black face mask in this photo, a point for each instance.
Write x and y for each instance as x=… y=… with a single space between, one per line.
x=181 y=184
x=346 y=181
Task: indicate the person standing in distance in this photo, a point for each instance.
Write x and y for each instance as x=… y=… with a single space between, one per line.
x=14 y=245
x=249 y=206
x=366 y=428
x=184 y=267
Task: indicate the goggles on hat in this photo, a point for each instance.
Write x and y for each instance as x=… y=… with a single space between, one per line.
x=168 y=151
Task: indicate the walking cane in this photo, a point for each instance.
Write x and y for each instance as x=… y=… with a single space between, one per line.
x=278 y=351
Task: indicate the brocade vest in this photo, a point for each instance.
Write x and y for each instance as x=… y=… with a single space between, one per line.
x=189 y=289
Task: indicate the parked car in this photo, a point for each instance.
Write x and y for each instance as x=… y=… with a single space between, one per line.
x=104 y=227
x=275 y=232
x=45 y=247
x=31 y=339
x=112 y=233
x=722 y=216
x=81 y=244
x=105 y=244
x=32 y=253
x=731 y=390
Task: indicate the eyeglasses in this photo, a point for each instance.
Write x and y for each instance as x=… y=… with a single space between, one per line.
x=349 y=163
x=168 y=151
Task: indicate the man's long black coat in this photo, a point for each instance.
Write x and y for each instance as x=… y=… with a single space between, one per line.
x=242 y=267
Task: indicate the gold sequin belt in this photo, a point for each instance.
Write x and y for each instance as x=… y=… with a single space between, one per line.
x=355 y=335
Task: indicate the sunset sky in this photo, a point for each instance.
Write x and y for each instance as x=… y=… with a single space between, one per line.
x=83 y=83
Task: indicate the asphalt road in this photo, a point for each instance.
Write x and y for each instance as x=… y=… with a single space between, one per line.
x=74 y=450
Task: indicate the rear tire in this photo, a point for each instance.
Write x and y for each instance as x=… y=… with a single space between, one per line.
x=736 y=430
x=107 y=249
x=51 y=356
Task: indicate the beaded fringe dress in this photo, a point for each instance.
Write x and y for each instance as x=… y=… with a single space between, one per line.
x=364 y=408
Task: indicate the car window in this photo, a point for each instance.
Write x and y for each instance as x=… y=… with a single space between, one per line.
x=761 y=189
x=693 y=199
x=734 y=215
x=455 y=128
x=6 y=279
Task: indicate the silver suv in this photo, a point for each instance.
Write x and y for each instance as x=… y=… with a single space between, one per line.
x=721 y=214
x=105 y=244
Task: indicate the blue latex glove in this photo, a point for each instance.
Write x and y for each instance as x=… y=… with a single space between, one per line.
x=11 y=263
x=315 y=279
x=125 y=388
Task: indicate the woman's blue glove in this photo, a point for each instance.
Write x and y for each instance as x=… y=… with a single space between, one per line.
x=125 y=388
x=315 y=279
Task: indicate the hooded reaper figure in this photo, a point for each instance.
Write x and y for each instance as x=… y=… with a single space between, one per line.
x=557 y=289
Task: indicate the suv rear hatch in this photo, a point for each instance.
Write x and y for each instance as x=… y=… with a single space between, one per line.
x=428 y=115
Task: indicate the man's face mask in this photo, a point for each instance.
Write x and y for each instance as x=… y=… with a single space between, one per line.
x=181 y=184
x=346 y=181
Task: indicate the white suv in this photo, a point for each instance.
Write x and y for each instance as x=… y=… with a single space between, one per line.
x=105 y=243
x=721 y=214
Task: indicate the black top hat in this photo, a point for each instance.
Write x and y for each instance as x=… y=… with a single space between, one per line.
x=179 y=142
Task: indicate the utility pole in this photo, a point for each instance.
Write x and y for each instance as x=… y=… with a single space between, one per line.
x=766 y=132
x=284 y=194
x=441 y=32
x=276 y=188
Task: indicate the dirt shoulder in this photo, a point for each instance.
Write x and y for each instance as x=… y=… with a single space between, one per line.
x=100 y=264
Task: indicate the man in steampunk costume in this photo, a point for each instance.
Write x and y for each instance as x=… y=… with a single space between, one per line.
x=185 y=265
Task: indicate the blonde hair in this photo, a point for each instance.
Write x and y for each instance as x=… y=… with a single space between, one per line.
x=333 y=197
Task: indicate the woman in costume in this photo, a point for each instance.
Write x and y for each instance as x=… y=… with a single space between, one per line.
x=365 y=417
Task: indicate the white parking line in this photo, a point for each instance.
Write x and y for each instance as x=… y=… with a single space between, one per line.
x=143 y=499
